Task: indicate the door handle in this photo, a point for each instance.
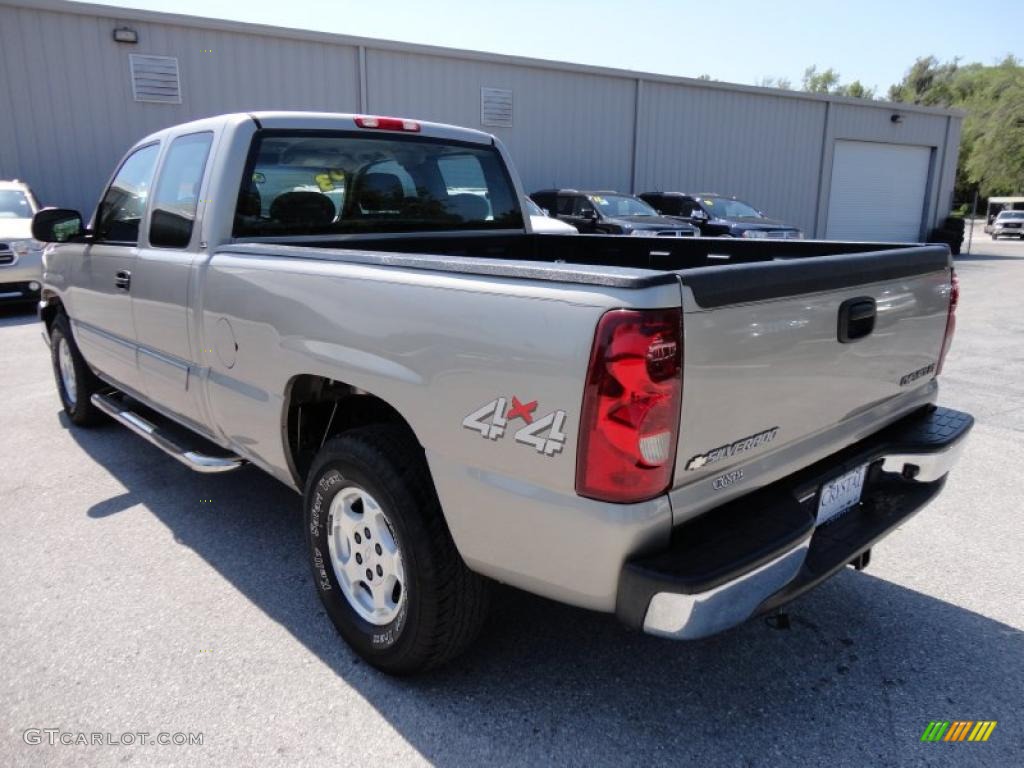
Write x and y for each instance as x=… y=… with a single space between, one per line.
x=123 y=279
x=856 y=319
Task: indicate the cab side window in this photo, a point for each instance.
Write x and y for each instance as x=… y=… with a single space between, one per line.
x=565 y=205
x=583 y=206
x=548 y=202
x=124 y=203
x=177 y=191
x=685 y=208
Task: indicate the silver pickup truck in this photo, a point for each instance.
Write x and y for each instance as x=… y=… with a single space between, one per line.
x=685 y=433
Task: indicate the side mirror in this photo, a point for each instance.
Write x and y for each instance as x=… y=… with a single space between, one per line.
x=57 y=225
x=589 y=214
x=698 y=215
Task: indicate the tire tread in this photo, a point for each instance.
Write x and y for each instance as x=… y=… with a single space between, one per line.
x=84 y=413
x=461 y=596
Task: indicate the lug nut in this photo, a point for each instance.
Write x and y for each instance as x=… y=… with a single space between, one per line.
x=367 y=532
x=380 y=571
x=379 y=550
x=358 y=539
x=359 y=558
x=369 y=574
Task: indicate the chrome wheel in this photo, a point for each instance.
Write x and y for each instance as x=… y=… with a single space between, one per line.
x=67 y=370
x=365 y=556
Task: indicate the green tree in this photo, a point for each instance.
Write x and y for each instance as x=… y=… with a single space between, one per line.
x=856 y=90
x=827 y=81
x=992 y=138
x=820 y=82
x=775 y=82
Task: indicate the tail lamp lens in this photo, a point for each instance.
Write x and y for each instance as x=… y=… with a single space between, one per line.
x=947 y=339
x=630 y=420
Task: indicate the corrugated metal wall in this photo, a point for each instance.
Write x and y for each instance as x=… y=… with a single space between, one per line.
x=568 y=129
x=69 y=115
x=915 y=128
x=67 y=99
x=704 y=140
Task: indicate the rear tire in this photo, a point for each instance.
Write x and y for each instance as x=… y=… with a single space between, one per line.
x=410 y=604
x=76 y=383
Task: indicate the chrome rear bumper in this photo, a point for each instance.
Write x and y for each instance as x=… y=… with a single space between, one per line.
x=762 y=550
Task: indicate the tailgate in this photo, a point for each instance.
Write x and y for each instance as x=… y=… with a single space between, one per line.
x=766 y=374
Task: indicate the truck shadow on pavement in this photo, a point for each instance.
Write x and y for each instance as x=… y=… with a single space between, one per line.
x=863 y=667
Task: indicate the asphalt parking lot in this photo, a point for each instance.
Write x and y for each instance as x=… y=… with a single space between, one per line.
x=138 y=596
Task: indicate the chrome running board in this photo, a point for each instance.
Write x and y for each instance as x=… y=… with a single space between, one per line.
x=194 y=460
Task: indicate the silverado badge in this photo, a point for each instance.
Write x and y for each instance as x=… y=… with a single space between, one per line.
x=732 y=449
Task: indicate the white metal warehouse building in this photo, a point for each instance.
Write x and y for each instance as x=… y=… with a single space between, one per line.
x=73 y=99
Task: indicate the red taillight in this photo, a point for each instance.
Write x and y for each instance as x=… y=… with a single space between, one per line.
x=387 y=123
x=630 y=419
x=947 y=339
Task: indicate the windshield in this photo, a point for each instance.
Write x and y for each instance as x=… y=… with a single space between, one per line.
x=333 y=182
x=1011 y=215
x=622 y=205
x=724 y=208
x=14 y=204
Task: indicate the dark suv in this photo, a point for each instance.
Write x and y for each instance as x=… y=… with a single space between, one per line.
x=719 y=216
x=610 y=213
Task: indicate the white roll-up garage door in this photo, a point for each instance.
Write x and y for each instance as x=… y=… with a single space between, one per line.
x=877 y=191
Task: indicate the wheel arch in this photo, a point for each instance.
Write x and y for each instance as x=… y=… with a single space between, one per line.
x=49 y=307
x=317 y=408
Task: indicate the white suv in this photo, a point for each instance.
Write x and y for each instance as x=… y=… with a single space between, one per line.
x=1008 y=223
x=21 y=257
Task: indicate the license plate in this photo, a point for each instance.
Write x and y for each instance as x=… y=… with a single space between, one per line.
x=840 y=494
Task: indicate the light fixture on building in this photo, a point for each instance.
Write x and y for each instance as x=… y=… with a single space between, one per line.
x=126 y=35
x=896 y=118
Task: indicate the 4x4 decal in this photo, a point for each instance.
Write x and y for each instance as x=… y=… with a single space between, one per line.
x=544 y=434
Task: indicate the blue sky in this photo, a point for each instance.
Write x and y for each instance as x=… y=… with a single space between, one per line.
x=739 y=41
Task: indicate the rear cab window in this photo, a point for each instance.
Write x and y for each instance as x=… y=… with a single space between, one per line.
x=176 y=196
x=339 y=182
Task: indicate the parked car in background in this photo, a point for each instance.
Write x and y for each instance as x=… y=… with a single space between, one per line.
x=20 y=255
x=542 y=222
x=1008 y=223
x=718 y=216
x=997 y=205
x=610 y=213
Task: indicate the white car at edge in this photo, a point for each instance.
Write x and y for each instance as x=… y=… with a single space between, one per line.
x=21 y=265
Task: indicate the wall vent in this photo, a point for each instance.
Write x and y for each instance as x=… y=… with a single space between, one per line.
x=155 y=78
x=496 y=107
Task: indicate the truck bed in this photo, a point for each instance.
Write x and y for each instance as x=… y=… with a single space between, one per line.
x=760 y=350
x=719 y=271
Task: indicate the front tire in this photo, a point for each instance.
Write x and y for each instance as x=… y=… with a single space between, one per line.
x=384 y=563
x=76 y=383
